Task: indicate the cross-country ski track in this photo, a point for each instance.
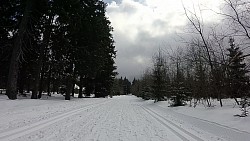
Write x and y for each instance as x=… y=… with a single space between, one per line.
x=121 y=118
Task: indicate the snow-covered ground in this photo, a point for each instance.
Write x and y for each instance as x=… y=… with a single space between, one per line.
x=124 y=118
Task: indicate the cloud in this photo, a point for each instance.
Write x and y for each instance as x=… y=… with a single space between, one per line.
x=142 y=26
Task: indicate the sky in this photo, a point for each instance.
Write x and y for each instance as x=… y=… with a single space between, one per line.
x=141 y=27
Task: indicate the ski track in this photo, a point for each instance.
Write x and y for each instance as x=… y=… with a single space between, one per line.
x=209 y=122
x=123 y=118
x=221 y=131
x=117 y=120
x=90 y=118
x=22 y=131
x=40 y=110
x=120 y=123
x=180 y=132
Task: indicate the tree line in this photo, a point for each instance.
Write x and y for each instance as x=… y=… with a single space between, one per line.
x=213 y=64
x=47 y=44
x=121 y=86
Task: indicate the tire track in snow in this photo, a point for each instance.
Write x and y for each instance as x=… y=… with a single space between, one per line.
x=19 y=132
x=180 y=132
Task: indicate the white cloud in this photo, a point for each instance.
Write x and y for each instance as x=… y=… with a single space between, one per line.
x=141 y=25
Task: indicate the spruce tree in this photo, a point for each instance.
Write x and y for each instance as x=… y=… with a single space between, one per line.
x=237 y=79
x=17 y=51
x=146 y=86
x=179 y=90
x=159 y=77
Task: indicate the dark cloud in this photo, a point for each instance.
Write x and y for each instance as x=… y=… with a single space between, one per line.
x=142 y=27
x=144 y=47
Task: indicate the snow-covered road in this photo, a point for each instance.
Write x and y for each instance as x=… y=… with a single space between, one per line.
x=124 y=118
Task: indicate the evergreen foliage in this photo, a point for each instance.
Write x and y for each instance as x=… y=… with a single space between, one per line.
x=190 y=76
x=59 y=42
x=179 y=91
x=159 y=77
x=136 y=87
x=121 y=86
x=238 y=81
x=146 y=90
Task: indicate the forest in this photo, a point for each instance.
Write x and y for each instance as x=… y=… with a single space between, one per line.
x=53 y=45
x=60 y=59
x=213 y=63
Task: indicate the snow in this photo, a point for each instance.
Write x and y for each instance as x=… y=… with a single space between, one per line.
x=221 y=115
x=119 y=118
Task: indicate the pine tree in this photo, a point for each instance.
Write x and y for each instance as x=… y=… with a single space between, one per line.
x=136 y=87
x=200 y=88
x=145 y=86
x=74 y=36
x=6 y=25
x=159 y=77
x=45 y=16
x=17 y=51
x=179 y=90
x=238 y=81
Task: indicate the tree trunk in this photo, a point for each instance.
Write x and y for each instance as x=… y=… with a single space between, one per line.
x=11 y=90
x=28 y=85
x=73 y=89
x=22 y=80
x=40 y=84
x=236 y=101
x=87 y=87
x=49 y=81
x=219 y=96
x=73 y=84
x=208 y=102
x=68 y=88
x=21 y=88
x=80 y=89
x=195 y=102
x=54 y=89
x=221 y=102
x=40 y=59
